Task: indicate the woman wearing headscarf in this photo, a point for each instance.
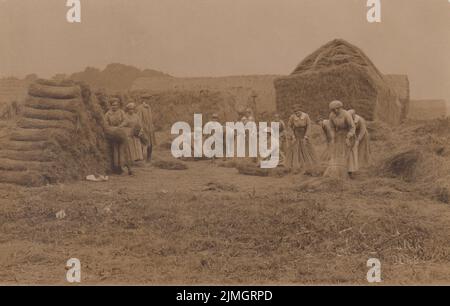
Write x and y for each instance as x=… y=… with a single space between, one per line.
x=343 y=162
x=114 y=118
x=362 y=139
x=250 y=115
x=301 y=154
x=134 y=131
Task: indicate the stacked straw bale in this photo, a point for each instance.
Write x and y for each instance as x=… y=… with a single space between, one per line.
x=58 y=136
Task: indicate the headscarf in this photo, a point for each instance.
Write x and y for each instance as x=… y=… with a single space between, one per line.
x=297 y=108
x=336 y=104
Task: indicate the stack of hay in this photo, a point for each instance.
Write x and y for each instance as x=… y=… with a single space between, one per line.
x=338 y=71
x=58 y=136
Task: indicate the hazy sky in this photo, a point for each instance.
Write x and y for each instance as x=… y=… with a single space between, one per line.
x=225 y=37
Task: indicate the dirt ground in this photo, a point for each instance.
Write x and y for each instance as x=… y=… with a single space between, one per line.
x=210 y=225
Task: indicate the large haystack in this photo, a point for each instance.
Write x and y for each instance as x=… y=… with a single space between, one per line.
x=58 y=136
x=341 y=71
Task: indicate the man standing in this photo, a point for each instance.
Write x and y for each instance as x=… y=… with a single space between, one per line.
x=144 y=112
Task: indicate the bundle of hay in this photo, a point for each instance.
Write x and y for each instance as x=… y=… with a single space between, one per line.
x=252 y=169
x=321 y=185
x=338 y=71
x=415 y=164
x=405 y=165
x=169 y=164
x=116 y=134
x=58 y=136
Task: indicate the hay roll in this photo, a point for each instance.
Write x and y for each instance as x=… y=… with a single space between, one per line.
x=38 y=156
x=70 y=105
x=55 y=92
x=116 y=134
x=27 y=123
x=48 y=114
x=25 y=145
x=24 y=178
x=30 y=135
x=169 y=165
x=18 y=165
x=252 y=170
x=56 y=83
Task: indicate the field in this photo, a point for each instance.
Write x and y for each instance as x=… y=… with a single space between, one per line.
x=210 y=225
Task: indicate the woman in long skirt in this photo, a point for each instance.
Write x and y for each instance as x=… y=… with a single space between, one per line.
x=114 y=118
x=134 y=127
x=362 y=139
x=301 y=154
x=343 y=162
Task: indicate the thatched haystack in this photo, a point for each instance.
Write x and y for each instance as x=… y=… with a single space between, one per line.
x=58 y=136
x=341 y=71
x=400 y=83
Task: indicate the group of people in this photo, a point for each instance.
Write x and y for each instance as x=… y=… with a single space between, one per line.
x=347 y=141
x=347 y=138
x=137 y=124
x=345 y=131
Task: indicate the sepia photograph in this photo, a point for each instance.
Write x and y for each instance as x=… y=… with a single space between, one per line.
x=199 y=143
